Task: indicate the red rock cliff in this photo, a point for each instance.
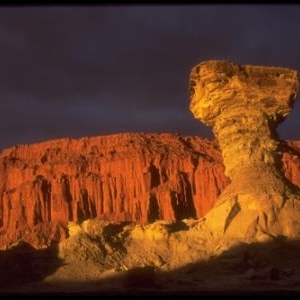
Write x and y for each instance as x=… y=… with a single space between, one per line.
x=123 y=177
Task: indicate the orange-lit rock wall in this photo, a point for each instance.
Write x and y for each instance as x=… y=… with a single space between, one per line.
x=123 y=177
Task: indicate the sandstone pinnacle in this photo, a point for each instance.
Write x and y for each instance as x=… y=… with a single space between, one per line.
x=244 y=105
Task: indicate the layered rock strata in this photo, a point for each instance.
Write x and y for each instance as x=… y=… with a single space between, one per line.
x=244 y=105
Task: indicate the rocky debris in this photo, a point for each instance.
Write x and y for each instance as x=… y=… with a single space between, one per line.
x=95 y=241
x=244 y=105
x=121 y=246
x=166 y=254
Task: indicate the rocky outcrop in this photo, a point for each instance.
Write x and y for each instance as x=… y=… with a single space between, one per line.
x=124 y=177
x=244 y=105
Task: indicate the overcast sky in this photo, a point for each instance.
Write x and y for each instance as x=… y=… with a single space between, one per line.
x=81 y=71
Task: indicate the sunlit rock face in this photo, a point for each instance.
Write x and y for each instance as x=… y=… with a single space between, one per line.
x=130 y=177
x=123 y=177
x=244 y=105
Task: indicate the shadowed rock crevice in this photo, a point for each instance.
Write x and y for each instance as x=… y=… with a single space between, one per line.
x=67 y=197
x=84 y=211
x=154 y=176
x=182 y=202
x=153 y=213
x=42 y=207
x=244 y=105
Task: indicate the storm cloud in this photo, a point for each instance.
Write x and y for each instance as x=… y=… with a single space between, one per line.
x=92 y=70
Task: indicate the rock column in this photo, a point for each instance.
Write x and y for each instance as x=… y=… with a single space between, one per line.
x=244 y=105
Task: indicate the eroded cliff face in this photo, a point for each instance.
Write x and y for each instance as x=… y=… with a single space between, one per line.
x=124 y=177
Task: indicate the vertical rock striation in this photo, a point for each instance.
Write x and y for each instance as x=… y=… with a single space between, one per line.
x=123 y=177
x=244 y=105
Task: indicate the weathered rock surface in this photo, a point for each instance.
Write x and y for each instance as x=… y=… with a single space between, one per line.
x=164 y=247
x=124 y=177
x=162 y=244
x=244 y=105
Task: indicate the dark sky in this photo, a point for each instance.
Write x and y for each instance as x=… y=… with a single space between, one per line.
x=91 y=70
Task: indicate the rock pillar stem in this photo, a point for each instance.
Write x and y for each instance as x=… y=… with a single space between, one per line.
x=244 y=105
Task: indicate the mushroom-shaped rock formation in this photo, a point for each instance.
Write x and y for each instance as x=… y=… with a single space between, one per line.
x=243 y=105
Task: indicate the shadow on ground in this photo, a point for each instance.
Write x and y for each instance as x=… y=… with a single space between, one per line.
x=23 y=264
x=256 y=269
